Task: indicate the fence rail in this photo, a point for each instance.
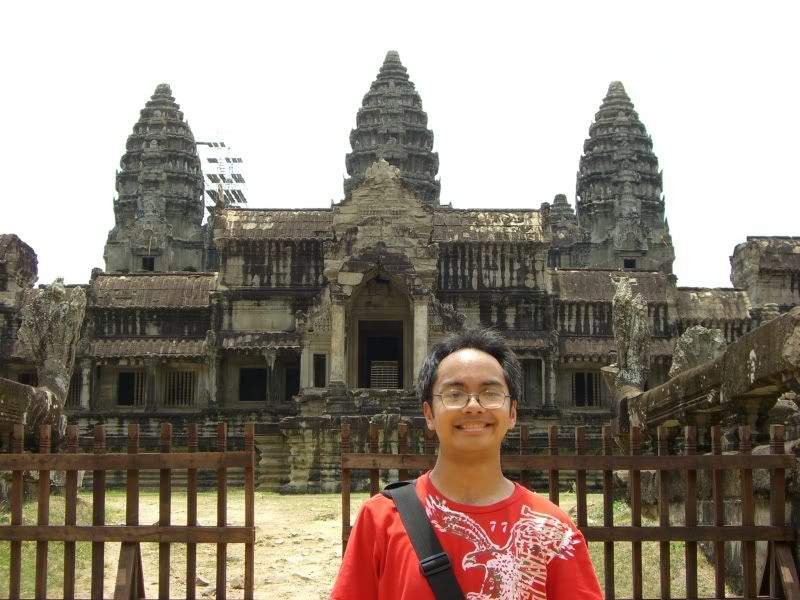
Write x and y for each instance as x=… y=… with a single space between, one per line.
x=130 y=578
x=780 y=579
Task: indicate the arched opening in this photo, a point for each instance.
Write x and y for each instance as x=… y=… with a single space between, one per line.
x=380 y=325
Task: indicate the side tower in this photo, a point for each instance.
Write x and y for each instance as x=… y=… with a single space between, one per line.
x=159 y=210
x=618 y=191
x=392 y=125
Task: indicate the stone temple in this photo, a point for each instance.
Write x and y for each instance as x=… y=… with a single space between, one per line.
x=295 y=318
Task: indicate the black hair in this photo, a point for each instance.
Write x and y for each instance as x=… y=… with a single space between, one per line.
x=485 y=340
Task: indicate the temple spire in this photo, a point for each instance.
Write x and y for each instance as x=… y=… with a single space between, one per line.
x=618 y=155
x=392 y=125
x=159 y=209
x=619 y=190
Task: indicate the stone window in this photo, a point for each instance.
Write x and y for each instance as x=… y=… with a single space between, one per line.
x=628 y=263
x=531 y=382
x=131 y=388
x=587 y=389
x=148 y=263
x=179 y=388
x=252 y=385
x=74 y=394
x=320 y=370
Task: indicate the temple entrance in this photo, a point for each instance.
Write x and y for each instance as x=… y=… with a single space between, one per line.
x=380 y=354
x=380 y=339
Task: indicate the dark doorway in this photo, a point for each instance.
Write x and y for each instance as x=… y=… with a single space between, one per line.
x=252 y=385
x=292 y=387
x=320 y=370
x=380 y=354
x=131 y=388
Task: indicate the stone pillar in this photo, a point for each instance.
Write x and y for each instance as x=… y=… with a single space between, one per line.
x=420 y=340
x=150 y=402
x=337 y=344
x=270 y=355
x=212 y=383
x=306 y=375
x=86 y=384
x=550 y=384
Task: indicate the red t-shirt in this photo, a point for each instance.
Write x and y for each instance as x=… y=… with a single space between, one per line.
x=523 y=547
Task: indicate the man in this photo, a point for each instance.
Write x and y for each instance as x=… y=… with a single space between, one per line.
x=503 y=540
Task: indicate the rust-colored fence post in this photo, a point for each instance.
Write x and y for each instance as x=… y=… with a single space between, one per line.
x=608 y=515
x=249 y=508
x=717 y=493
x=580 y=476
x=777 y=481
x=130 y=557
x=345 y=449
x=98 y=514
x=552 y=450
x=191 y=515
x=164 y=512
x=524 y=450
x=690 y=513
x=402 y=447
x=15 y=559
x=222 y=514
x=374 y=474
x=43 y=516
x=635 y=479
x=748 y=516
x=663 y=514
x=132 y=479
x=70 y=514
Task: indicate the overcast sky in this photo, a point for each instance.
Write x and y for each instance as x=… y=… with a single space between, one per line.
x=510 y=90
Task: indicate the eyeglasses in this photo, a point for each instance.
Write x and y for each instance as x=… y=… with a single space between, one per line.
x=459 y=398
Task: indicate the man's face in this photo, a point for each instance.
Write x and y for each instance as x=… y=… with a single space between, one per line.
x=472 y=430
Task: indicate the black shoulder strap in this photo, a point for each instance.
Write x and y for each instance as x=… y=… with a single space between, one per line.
x=433 y=560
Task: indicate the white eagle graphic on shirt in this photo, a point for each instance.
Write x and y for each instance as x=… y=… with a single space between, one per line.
x=518 y=570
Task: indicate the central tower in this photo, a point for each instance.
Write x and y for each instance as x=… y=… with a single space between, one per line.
x=392 y=125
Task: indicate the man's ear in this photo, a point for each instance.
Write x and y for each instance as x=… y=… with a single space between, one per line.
x=427 y=410
x=513 y=414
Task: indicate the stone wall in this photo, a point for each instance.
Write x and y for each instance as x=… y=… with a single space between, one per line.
x=769 y=269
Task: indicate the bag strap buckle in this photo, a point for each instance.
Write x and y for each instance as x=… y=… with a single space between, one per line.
x=435 y=563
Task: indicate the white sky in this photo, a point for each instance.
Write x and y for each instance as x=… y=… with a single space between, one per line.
x=510 y=90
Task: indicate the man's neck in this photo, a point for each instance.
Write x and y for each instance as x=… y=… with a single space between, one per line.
x=466 y=481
